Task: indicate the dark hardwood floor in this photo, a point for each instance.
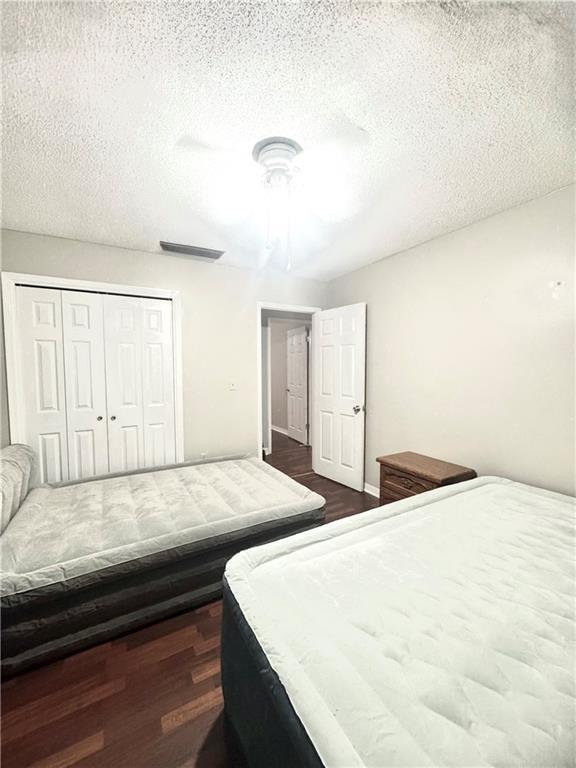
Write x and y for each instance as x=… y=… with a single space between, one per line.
x=151 y=699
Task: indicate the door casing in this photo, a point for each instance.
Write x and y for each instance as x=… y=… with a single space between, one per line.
x=263 y=306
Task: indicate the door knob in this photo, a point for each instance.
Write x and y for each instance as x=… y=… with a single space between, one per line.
x=99 y=418
x=112 y=418
x=357 y=408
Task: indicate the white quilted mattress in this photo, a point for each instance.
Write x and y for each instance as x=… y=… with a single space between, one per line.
x=443 y=636
x=62 y=532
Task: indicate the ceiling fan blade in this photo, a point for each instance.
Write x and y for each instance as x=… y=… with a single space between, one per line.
x=342 y=129
x=188 y=143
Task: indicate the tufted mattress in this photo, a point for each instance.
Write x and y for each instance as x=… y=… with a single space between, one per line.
x=83 y=562
x=436 y=631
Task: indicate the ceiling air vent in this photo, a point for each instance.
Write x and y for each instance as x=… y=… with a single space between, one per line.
x=191 y=250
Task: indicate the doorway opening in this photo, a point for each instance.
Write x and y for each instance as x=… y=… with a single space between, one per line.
x=286 y=365
x=312 y=391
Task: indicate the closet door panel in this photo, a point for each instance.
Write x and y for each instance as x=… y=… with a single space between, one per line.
x=41 y=368
x=158 y=382
x=83 y=326
x=123 y=349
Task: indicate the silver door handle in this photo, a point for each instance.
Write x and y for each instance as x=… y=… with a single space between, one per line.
x=112 y=418
x=358 y=408
x=98 y=418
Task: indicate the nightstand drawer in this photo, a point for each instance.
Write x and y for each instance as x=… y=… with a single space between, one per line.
x=402 y=483
x=387 y=495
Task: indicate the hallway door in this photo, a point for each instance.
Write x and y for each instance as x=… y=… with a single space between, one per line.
x=338 y=386
x=297 y=381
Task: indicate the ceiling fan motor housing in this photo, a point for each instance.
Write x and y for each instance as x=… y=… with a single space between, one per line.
x=276 y=155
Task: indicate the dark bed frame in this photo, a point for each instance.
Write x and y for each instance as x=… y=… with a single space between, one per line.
x=262 y=729
x=50 y=622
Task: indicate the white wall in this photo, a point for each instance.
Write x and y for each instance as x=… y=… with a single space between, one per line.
x=279 y=368
x=219 y=326
x=470 y=340
x=471 y=346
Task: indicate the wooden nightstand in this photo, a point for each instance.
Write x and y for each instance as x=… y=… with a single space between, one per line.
x=406 y=474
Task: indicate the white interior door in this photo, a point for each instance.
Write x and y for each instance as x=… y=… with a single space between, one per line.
x=87 y=427
x=339 y=380
x=297 y=381
x=158 y=383
x=123 y=344
x=41 y=359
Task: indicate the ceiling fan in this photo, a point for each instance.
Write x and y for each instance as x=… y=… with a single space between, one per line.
x=337 y=130
x=276 y=155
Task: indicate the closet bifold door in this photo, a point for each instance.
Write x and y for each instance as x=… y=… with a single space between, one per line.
x=139 y=382
x=123 y=346
x=41 y=358
x=158 y=382
x=83 y=330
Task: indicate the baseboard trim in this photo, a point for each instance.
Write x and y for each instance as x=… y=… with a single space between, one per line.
x=372 y=490
x=280 y=429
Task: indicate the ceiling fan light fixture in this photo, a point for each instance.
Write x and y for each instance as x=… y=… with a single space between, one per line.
x=276 y=157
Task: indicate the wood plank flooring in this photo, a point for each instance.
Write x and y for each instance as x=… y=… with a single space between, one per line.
x=150 y=699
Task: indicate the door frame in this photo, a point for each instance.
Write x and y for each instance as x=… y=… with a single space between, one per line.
x=261 y=307
x=11 y=280
x=266 y=339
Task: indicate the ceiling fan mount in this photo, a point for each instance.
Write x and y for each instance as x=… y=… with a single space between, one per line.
x=276 y=155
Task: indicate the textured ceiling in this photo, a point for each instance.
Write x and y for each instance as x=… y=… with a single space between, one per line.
x=127 y=123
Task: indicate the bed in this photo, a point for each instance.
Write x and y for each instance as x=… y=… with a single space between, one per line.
x=435 y=631
x=84 y=562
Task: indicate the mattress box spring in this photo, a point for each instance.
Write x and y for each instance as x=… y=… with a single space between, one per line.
x=271 y=735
